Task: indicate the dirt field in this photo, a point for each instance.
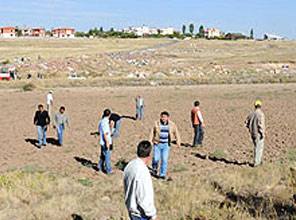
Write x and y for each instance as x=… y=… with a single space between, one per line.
x=224 y=108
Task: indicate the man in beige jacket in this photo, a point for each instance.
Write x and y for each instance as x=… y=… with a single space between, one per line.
x=163 y=132
x=256 y=125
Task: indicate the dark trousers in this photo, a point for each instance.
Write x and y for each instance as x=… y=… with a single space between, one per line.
x=198 y=134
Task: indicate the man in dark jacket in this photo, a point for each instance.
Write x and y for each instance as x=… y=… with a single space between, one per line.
x=115 y=122
x=42 y=121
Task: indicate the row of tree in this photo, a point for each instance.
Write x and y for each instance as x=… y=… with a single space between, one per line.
x=101 y=33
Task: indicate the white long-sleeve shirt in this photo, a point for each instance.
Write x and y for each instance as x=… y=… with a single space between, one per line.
x=138 y=187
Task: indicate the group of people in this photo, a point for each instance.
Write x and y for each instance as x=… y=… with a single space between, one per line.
x=42 y=121
x=139 y=194
x=138 y=187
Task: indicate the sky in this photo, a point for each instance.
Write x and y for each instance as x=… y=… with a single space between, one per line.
x=264 y=16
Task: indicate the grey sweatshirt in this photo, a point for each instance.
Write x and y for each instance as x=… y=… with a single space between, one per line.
x=61 y=119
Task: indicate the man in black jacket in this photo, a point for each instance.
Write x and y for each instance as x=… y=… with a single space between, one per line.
x=42 y=121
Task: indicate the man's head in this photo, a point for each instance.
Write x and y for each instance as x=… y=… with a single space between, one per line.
x=50 y=92
x=106 y=113
x=144 y=150
x=164 y=116
x=140 y=96
x=196 y=103
x=258 y=104
x=40 y=108
x=62 y=109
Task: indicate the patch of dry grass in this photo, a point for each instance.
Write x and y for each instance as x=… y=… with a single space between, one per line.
x=36 y=195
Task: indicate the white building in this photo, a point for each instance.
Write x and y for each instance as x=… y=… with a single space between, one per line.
x=146 y=31
x=8 y=32
x=213 y=33
x=272 y=37
x=167 y=31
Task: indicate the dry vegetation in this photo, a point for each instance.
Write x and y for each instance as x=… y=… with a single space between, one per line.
x=213 y=183
x=159 y=61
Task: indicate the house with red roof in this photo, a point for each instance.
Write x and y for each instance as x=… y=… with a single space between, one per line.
x=8 y=32
x=64 y=32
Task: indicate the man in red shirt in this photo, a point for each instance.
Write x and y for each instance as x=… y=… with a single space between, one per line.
x=197 y=124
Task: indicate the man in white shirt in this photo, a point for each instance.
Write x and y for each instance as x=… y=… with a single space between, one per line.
x=49 y=102
x=138 y=187
x=105 y=142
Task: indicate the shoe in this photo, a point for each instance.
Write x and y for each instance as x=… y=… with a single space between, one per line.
x=154 y=173
x=162 y=177
x=44 y=145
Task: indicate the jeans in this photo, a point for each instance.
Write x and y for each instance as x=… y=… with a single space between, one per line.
x=116 y=132
x=258 y=150
x=161 y=151
x=139 y=112
x=41 y=130
x=60 y=130
x=132 y=217
x=105 y=159
x=198 y=135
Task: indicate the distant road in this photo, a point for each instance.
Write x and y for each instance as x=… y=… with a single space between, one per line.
x=157 y=46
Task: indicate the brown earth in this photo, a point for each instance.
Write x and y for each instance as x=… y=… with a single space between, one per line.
x=224 y=108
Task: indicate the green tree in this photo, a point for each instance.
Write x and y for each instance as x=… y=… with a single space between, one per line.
x=252 y=34
x=184 y=29
x=19 y=32
x=201 y=32
x=48 y=33
x=191 y=28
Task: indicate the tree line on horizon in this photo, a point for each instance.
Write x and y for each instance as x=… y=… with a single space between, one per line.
x=101 y=33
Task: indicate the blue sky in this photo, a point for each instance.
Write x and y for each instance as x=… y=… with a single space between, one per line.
x=265 y=16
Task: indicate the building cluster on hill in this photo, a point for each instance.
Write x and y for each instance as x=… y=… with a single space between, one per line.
x=146 y=31
x=129 y=32
x=13 y=32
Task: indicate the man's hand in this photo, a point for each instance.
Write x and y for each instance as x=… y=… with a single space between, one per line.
x=178 y=145
x=108 y=146
x=203 y=125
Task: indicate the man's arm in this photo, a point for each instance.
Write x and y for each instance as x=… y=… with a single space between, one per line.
x=68 y=121
x=177 y=136
x=145 y=197
x=35 y=119
x=261 y=126
x=48 y=119
x=200 y=118
x=152 y=135
x=106 y=141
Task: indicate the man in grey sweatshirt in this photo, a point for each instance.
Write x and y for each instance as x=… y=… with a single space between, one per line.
x=256 y=124
x=59 y=122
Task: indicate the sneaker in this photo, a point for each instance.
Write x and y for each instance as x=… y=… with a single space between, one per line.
x=162 y=177
x=44 y=145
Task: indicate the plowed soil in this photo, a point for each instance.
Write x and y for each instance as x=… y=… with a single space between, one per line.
x=224 y=108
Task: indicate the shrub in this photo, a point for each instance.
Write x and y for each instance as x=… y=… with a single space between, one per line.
x=28 y=87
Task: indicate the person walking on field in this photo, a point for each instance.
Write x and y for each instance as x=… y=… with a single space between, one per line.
x=163 y=132
x=105 y=142
x=59 y=122
x=138 y=187
x=198 y=125
x=256 y=124
x=49 y=102
x=139 y=107
x=42 y=121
